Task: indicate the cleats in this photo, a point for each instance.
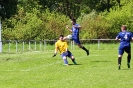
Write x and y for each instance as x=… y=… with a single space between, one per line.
x=128 y=65
x=87 y=52
x=65 y=64
x=75 y=63
x=119 y=67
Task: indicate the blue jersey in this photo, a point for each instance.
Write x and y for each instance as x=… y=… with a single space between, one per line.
x=75 y=31
x=125 y=38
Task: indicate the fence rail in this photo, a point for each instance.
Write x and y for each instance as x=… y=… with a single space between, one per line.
x=42 y=45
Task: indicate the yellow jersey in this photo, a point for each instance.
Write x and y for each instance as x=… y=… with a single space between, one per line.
x=61 y=46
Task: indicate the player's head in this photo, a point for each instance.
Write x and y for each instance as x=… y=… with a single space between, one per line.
x=73 y=21
x=123 y=27
x=61 y=37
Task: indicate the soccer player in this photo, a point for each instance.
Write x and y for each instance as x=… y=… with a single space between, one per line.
x=125 y=38
x=62 y=46
x=75 y=34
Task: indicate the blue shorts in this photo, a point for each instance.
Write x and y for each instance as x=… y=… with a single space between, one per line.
x=66 y=54
x=76 y=40
x=127 y=49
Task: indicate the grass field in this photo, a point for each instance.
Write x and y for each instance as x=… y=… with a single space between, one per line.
x=40 y=70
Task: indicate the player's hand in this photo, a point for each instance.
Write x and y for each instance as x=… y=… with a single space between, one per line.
x=67 y=26
x=54 y=55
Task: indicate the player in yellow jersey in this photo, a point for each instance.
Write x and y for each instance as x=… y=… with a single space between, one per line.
x=62 y=46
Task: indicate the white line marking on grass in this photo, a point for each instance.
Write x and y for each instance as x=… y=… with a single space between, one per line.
x=42 y=66
x=29 y=69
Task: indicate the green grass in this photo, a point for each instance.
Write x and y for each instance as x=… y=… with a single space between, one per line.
x=40 y=70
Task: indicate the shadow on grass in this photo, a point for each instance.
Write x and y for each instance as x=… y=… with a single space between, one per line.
x=74 y=64
x=100 y=61
x=126 y=69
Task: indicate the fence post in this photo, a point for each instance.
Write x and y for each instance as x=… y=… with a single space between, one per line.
x=44 y=45
x=23 y=46
x=98 y=44
x=29 y=45
x=0 y=36
x=35 y=45
x=9 y=47
x=40 y=45
x=71 y=45
x=16 y=46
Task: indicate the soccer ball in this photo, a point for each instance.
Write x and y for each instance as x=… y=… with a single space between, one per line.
x=69 y=36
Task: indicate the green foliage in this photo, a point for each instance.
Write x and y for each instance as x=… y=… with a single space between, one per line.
x=35 y=25
x=107 y=24
x=39 y=19
x=8 y=8
x=94 y=26
x=54 y=24
x=120 y=16
x=24 y=26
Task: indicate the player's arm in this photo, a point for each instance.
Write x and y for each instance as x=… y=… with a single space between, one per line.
x=117 y=37
x=69 y=28
x=77 y=26
x=65 y=38
x=56 y=50
x=66 y=48
x=132 y=36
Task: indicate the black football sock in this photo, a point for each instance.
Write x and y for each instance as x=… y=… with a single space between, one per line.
x=119 y=60
x=84 y=48
x=128 y=58
x=73 y=60
x=87 y=51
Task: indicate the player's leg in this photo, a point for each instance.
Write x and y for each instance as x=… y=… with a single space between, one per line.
x=128 y=51
x=119 y=61
x=128 y=60
x=76 y=40
x=64 y=57
x=71 y=57
x=121 y=51
x=82 y=47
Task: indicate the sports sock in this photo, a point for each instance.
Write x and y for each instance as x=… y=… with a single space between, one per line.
x=65 y=61
x=84 y=48
x=119 y=60
x=73 y=60
x=128 y=58
x=87 y=51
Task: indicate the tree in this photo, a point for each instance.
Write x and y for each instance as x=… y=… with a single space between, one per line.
x=8 y=8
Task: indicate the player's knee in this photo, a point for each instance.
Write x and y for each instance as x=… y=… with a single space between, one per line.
x=72 y=57
x=79 y=46
x=119 y=55
x=64 y=58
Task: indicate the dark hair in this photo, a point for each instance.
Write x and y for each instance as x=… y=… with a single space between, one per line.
x=61 y=35
x=74 y=20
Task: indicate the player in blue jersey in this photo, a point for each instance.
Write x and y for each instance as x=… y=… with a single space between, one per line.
x=125 y=38
x=75 y=34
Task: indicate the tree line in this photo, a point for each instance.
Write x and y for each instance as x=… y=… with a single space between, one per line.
x=46 y=19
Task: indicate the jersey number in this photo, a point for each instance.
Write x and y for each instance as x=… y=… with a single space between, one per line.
x=125 y=36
